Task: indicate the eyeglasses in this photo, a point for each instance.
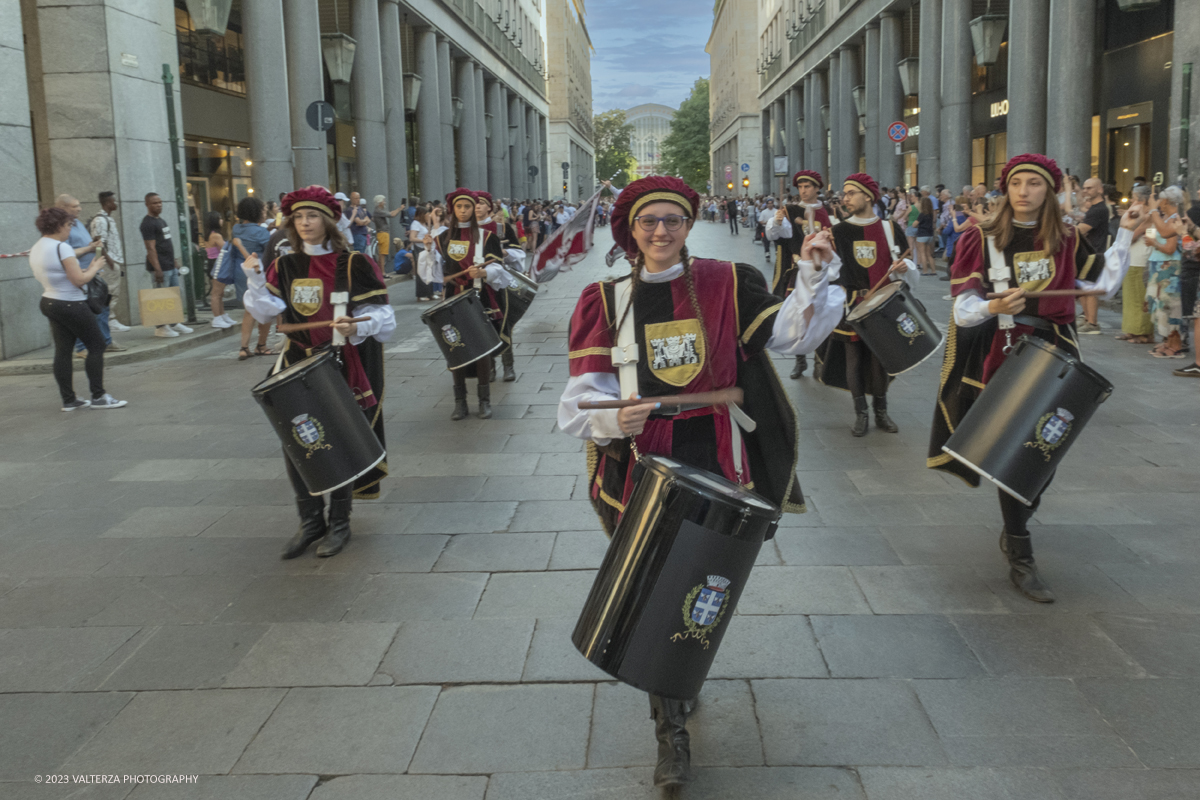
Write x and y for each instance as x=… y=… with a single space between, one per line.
x=649 y=222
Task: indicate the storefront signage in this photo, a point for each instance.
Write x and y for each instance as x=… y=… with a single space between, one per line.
x=1136 y=114
x=999 y=109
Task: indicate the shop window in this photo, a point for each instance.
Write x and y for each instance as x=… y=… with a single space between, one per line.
x=208 y=60
x=218 y=176
x=988 y=156
x=986 y=79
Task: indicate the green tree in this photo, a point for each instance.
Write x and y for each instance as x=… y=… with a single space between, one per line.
x=614 y=151
x=685 y=148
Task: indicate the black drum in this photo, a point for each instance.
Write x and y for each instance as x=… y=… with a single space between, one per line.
x=324 y=433
x=1031 y=412
x=896 y=327
x=520 y=297
x=674 y=571
x=462 y=329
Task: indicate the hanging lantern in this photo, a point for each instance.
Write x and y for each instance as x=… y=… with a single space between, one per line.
x=910 y=75
x=859 y=93
x=209 y=16
x=1125 y=5
x=412 y=90
x=457 y=115
x=488 y=121
x=987 y=34
x=825 y=116
x=339 y=55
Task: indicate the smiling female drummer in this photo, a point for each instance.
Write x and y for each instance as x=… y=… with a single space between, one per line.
x=479 y=262
x=693 y=325
x=300 y=286
x=1039 y=253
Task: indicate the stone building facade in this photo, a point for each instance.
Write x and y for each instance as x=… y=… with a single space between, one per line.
x=572 y=150
x=734 y=124
x=651 y=123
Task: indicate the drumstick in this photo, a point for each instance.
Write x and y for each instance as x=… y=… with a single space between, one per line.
x=1054 y=293
x=734 y=395
x=293 y=327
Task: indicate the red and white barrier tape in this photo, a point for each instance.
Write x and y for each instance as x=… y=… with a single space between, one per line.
x=14 y=255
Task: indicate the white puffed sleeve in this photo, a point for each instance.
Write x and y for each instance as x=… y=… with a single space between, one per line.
x=381 y=325
x=779 y=230
x=1116 y=264
x=599 y=425
x=258 y=300
x=970 y=309
x=498 y=277
x=811 y=311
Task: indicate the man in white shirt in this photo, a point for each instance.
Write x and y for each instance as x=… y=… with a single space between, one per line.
x=764 y=216
x=343 y=223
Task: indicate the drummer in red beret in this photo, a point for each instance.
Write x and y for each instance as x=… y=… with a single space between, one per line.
x=514 y=258
x=1038 y=252
x=787 y=229
x=473 y=253
x=870 y=252
x=301 y=286
x=676 y=325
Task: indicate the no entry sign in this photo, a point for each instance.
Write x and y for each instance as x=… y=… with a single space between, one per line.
x=897 y=131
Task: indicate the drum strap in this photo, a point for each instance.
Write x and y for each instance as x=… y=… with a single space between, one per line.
x=625 y=354
x=891 y=238
x=479 y=259
x=999 y=274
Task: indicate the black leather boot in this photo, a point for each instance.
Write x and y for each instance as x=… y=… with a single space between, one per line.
x=460 y=403
x=674 y=767
x=506 y=358
x=860 y=417
x=485 y=401
x=800 y=368
x=1023 y=570
x=312 y=526
x=882 y=420
x=339 y=528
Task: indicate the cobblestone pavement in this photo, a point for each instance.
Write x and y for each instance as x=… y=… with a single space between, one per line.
x=148 y=626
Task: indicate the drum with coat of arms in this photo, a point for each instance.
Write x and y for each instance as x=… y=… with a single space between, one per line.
x=462 y=330
x=324 y=432
x=1027 y=417
x=896 y=328
x=677 y=565
x=520 y=297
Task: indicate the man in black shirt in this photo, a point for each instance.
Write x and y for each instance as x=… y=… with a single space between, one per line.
x=160 y=257
x=731 y=210
x=1094 y=228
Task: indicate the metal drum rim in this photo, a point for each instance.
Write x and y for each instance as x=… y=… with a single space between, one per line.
x=923 y=360
x=348 y=481
x=280 y=378
x=891 y=291
x=985 y=474
x=1062 y=355
x=770 y=512
x=476 y=358
x=461 y=297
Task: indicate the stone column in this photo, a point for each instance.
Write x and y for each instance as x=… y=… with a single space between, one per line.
x=795 y=120
x=393 y=102
x=1071 y=76
x=522 y=184
x=810 y=124
x=481 y=126
x=450 y=172
x=1028 y=45
x=956 y=94
x=270 y=132
x=767 y=143
x=497 y=147
x=837 y=139
x=533 y=130
x=366 y=90
x=516 y=116
x=1186 y=41
x=929 y=143
x=873 y=136
x=429 y=119
x=306 y=85
x=820 y=140
x=891 y=100
x=468 y=128
x=850 y=142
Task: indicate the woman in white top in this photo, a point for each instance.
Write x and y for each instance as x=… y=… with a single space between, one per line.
x=64 y=303
x=428 y=280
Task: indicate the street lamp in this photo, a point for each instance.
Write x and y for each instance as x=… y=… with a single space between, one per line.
x=209 y=16
x=412 y=90
x=910 y=75
x=488 y=121
x=987 y=33
x=339 y=55
x=456 y=117
x=825 y=116
x=859 y=95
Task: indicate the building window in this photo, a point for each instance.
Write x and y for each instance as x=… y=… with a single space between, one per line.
x=986 y=79
x=209 y=60
x=219 y=175
x=988 y=156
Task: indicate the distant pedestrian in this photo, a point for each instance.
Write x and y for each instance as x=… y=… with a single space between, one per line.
x=160 y=257
x=85 y=247
x=250 y=237
x=64 y=303
x=105 y=229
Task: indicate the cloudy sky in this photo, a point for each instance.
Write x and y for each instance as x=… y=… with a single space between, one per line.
x=647 y=51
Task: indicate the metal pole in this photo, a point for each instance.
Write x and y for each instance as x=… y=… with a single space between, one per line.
x=1185 y=111
x=185 y=229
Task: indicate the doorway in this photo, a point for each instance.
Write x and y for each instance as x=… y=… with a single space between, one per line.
x=1128 y=155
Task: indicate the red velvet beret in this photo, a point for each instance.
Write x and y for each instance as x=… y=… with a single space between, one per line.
x=811 y=176
x=458 y=194
x=483 y=196
x=1032 y=162
x=866 y=183
x=317 y=197
x=642 y=192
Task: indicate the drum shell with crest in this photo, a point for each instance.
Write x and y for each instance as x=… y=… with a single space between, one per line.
x=675 y=569
x=462 y=329
x=324 y=432
x=520 y=296
x=1027 y=417
x=896 y=327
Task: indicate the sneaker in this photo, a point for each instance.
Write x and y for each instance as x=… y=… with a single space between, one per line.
x=77 y=403
x=115 y=348
x=1191 y=371
x=1088 y=328
x=108 y=401
x=117 y=325
x=81 y=353
x=228 y=319
x=221 y=322
x=165 y=332
x=179 y=327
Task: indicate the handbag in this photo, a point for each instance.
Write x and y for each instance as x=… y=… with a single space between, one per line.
x=98 y=296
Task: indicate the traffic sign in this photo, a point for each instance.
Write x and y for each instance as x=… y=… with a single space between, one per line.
x=745 y=167
x=728 y=170
x=319 y=115
x=897 y=131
